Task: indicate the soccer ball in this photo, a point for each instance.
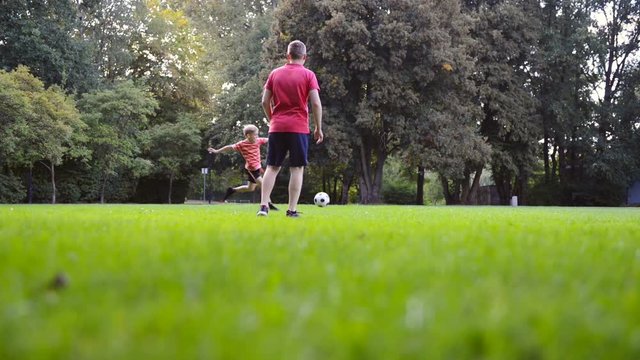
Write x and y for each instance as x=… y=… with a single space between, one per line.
x=321 y=199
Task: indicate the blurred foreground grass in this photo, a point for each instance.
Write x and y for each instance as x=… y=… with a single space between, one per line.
x=343 y=282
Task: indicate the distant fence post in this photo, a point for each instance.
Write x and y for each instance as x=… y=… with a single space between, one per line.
x=204 y=171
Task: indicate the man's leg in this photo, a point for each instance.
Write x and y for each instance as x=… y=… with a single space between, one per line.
x=259 y=183
x=268 y=181
x=295 y=186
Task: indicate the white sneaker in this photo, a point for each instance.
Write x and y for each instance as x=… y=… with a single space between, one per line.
x=264 y=211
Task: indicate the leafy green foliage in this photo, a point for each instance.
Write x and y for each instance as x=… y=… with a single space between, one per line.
x=11 y=189
x=234 y=33
x=506 y=40
x=40 y=35
x=460 y=88
x=377 y=62
x=398 y=187
x=46 y=130
x=116 y=120
x=174 y=149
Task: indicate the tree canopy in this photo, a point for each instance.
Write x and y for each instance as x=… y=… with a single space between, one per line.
x=107 y=100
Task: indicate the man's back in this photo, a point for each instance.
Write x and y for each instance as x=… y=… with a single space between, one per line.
x=290 y=86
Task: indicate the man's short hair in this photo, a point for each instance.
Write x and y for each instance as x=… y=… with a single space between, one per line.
x=296 y=49
x=249 y=129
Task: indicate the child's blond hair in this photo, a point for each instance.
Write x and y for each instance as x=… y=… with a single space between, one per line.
x=249 y=129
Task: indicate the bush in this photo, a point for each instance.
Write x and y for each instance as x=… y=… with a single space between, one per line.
x=547 y=194
x=11 y=189
x=401 y=193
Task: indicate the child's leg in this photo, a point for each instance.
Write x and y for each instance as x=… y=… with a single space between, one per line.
x=240 y=188
x=259 y=183
x=248 y=187
x=245 y=188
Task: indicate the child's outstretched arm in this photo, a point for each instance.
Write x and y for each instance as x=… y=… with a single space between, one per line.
x=222 y=149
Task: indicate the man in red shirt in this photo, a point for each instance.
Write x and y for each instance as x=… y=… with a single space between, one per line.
x=284 y=100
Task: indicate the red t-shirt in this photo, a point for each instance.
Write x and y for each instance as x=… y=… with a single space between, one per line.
x=250 y=152
x=290 y=86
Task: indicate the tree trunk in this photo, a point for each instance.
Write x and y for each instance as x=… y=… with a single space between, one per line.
x=371 y=184
x=52 y=171
x=562 y=163
x=30 y=185
x=53 y=183
x=445 y=190
x=420 y=186
x=347 y=180
x=450 y=197
x=521 y=189
x=465 y=188
x=365 y=174
x=170 y=186
x=378 y=180
x=554 y=162
x=545 y=156
x=365 y=178
x=364 y=191
x=503 y=185
x=472 y=198
x=571 y=159
x=102 y=189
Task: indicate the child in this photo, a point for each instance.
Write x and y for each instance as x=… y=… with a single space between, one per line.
x=249 y=148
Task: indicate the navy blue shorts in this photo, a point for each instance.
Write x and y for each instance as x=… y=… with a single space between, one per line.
x=295 y=144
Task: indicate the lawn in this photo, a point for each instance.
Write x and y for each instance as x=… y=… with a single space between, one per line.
x=342 y=282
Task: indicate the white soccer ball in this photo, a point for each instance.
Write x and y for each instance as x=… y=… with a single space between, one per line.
x=321 y=199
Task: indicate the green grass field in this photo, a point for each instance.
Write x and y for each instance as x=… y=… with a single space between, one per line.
x=343 y=282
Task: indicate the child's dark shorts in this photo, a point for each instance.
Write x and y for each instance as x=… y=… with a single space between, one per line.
x=295 y=144
x=252 y=175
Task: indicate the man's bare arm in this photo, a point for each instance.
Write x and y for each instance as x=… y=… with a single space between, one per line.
x=316 y=108
x=266 y=103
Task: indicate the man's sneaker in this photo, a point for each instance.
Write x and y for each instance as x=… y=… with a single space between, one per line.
x=293 y=213
x=272 y=207
x=264 y=210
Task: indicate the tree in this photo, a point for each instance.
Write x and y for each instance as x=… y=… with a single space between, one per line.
x=168 y=57
x=42 y=36
x=450 y=144
x=234 y=33
x=109 y=27
x=506 y=43
x=615 y=64
x=47 y=130
x=444 y=137
x=563 y=87
x=166 y=53
x=116 y=119
x=373 y=59
x=174 y=149
x=15 y=112
x=620 y=33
